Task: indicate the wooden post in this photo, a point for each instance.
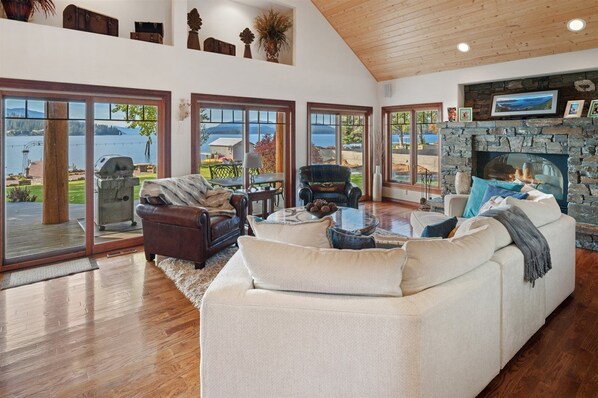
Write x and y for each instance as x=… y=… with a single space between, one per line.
x=56 y=176
x=279 y=141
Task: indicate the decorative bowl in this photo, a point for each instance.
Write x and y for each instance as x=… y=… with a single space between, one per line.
x=320 y=214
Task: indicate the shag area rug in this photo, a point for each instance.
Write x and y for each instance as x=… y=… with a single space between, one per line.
x=193 y=283
x=51 y=271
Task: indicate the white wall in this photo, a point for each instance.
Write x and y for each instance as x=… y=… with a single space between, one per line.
x=447 y=87
x=325 y=69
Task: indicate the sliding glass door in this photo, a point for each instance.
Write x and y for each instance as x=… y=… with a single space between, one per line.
x=338 y=134
x=226 y=129
x=44 y=176
x=72 y=167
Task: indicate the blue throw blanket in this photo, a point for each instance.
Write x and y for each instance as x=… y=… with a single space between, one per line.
x=531 y=242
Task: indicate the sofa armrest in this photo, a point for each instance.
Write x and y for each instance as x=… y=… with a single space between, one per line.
x=454 y=205
x=417 y=345
x=184 y=216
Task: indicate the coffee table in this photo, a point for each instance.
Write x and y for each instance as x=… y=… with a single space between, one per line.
x=346 y=218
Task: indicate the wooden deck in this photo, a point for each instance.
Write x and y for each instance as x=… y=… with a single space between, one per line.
x=26 y=235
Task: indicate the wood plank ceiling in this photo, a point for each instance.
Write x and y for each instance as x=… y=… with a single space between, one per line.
x=398 y=38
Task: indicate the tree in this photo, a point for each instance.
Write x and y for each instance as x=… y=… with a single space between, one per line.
x=204 y=135
x=352 y=134
x=266 y=147
x=140 y=117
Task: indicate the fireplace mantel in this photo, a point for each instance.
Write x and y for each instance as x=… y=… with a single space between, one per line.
x=577 y=138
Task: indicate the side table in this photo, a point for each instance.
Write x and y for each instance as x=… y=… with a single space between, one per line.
x=266 y=196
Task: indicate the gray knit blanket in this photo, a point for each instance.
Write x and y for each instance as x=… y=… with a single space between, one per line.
x=190 y=190
x=531 y=242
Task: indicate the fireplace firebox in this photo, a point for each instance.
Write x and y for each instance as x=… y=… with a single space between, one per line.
x=545 y=172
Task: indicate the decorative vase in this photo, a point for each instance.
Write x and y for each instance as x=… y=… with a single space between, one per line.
x=271 y=51
x=462 y=182
x=19 y=10
x=377 y=185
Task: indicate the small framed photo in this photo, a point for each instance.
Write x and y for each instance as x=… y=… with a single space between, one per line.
x=452 y=113
x=465 y=114
x=574 y=108
x=593 y=112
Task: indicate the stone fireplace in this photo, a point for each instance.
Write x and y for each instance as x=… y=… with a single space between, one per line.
x=470 y=146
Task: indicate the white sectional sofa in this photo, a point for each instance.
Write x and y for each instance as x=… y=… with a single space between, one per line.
x=442 y=338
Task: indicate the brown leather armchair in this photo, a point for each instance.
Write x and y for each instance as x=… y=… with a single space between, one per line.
x=189 y=233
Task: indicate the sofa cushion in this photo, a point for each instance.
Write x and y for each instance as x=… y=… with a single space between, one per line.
x=430 y=263
x=369 y=272
x=441 y=229
x=306 y=233
x=474 y=202
x=340 y=239
x=395 y=241
x=502 y=238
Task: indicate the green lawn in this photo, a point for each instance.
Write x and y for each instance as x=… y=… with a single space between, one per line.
x=77 y=190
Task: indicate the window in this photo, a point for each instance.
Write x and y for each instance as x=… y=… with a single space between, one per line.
x=413 y=144
x=225 y=128
x=338 y=134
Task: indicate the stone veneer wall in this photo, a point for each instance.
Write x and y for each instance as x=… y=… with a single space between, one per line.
x=576 y=137
x=479 y=96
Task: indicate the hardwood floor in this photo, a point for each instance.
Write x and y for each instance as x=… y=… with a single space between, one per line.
x=125 y=330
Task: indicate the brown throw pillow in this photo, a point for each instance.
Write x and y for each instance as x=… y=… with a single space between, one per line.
x=327 y=186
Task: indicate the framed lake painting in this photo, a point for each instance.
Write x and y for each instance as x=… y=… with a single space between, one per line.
x=535 y=103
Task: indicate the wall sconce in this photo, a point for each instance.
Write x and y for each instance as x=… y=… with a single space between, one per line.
x=184 y=109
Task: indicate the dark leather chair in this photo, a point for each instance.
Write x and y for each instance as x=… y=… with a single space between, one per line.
x=189 y=233
x=330 y=182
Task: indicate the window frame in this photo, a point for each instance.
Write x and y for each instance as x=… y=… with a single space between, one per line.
x=387 y=164
x=340 y=110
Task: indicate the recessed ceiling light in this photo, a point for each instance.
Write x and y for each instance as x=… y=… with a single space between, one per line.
x=575 y=25
x=463 y=47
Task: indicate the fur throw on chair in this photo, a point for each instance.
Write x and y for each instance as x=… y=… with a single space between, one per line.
x=190 y=190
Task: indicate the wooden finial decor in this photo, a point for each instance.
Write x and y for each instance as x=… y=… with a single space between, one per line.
x=194 y=22
x=247 y=37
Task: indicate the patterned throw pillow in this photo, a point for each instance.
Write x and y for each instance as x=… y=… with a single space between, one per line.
x=492 y=191
x=341 y=239
x=327 y=186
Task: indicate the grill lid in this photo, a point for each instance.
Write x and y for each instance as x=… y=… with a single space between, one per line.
x=114 y=166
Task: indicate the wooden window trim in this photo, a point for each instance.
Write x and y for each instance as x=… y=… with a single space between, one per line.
x=386 y=169
x=314 y=107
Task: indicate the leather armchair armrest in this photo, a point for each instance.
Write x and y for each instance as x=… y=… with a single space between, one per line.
x=239 y=202
x=353 y=192
x=184 y=216
x=305 y=193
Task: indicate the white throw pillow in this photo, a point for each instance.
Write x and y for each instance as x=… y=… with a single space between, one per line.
x=430 y=263
x=541 y=210
x=282 y=266
x=306 y=233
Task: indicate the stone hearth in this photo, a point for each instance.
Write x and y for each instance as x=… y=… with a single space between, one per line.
x=577 y=138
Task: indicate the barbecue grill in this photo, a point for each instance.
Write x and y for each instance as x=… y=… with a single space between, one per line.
x=114 y=190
